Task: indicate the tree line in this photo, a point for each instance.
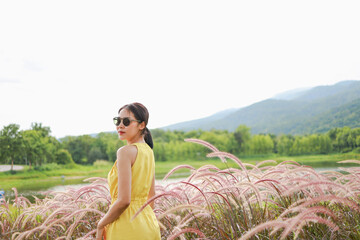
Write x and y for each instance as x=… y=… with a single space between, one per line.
x=36 y=146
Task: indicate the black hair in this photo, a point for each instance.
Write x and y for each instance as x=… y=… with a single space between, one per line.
x=141 y=113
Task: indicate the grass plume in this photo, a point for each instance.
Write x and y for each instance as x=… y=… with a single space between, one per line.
x=263 y=201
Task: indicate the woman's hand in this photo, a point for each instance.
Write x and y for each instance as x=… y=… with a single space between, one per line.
x=100 y=232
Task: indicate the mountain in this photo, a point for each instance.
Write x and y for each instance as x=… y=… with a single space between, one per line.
x=345 y=115
x=301 y=111
x=194 y=124
x=289 y=95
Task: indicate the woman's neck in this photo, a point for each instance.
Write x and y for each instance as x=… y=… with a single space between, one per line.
x=139 y=139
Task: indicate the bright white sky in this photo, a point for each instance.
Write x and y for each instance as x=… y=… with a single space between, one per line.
x=72 y=64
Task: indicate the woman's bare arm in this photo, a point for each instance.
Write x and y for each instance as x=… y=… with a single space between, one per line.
x=125 y=156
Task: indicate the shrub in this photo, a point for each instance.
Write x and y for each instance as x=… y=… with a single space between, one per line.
x=356 y=150
x=64 y=157
x=47 y=167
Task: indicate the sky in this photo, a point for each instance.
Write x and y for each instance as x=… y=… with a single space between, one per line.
x=71 y=65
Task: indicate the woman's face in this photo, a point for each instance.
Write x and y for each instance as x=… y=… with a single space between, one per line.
x=132 y=131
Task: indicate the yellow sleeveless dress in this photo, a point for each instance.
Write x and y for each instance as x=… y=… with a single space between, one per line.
x=145 y=226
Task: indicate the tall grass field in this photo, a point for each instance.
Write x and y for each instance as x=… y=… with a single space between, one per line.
x=266 y=200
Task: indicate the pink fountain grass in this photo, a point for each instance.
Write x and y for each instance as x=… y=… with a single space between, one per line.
x=283 y=201
x=60 y=215
x=187 y=230
x=177 y=168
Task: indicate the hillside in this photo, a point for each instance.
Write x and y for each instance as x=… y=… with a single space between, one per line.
x=299 y=112
x=189 y=125
x=346 y=115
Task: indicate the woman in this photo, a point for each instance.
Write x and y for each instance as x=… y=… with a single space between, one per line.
x=131 y=180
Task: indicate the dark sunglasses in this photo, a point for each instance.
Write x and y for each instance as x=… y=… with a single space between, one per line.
x=126 y=121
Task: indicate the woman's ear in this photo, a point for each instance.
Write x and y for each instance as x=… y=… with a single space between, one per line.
x=142 y=125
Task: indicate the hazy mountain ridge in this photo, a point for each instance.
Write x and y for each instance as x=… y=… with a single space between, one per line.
x=289 y=95
x=202 y=121
x=314 y=110
x=322 y=92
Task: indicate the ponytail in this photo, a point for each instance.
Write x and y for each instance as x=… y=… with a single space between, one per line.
x=148 y=138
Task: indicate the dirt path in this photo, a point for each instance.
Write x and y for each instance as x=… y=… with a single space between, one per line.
x=4 y=168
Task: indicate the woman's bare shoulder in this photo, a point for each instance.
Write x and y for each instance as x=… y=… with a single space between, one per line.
x=128 y=151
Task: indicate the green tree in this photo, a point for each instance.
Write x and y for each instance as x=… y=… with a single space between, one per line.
x=325 y=144
x=45 y=146
x=101 y=143
x=261 y=144
x=296 y=148
x=79 y=147
x=284 y=144
x=111 y=148
x=52 y=147
x=44 y=131
x=343 y=139
x=38 y=147
x=95 y=154
x=242 y=136
x=31 y=139
x=10 y=143
x=220 y=139
x=159 y=152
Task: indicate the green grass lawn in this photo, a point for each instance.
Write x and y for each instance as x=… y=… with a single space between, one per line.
x=45 y=178
x=52 y=175
x=316 y=161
